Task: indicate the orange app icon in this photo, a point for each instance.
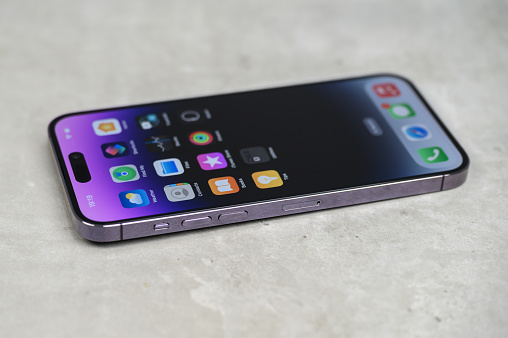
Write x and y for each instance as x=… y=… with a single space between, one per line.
x=107 y=127
x=223 y=185
x=267 y=179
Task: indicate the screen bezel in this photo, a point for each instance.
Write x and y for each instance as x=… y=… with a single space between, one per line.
x=77 y=211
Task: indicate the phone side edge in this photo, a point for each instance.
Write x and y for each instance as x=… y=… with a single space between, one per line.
x=269 y=209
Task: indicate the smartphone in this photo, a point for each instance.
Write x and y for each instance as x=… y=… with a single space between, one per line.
x=166 y=167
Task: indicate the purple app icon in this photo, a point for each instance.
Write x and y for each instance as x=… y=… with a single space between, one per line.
x=212 y=161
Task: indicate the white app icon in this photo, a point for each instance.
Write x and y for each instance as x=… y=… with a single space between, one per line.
x=179 y=192
x=107 y=127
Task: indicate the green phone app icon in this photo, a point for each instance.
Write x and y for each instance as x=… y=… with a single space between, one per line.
x=401 y=111
x=124 y=173
x=432 y=155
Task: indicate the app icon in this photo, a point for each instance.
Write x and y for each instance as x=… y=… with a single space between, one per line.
x=190 y=116
x=223 y=185
x=168 y=167
x=134 y=198
x=106 y=127
x=267 y=179
x=152 y=120
x=201 y=138
x=400 y=110
x=179 y=192
x=386 y=90
x=212 y=161
x=159 y=144
x=416 y=132
x=432 y=155
x=117 y=149
x=254 y=155
x=124 y=173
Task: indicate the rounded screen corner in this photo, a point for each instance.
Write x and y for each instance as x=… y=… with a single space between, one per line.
x=52 y=124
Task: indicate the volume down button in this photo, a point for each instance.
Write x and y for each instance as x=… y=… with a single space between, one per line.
x=196 y=222
x=233 y=217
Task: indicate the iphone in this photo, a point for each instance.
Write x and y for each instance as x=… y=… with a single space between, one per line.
x=172 y=166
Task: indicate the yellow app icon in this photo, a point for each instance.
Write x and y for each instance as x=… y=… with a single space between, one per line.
x=267 y=179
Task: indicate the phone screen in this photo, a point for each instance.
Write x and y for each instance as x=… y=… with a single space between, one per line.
x=233 y=149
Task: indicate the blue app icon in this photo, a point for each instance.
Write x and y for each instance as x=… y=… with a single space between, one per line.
x=416 y=132
x=134 y=198
x=168 y=167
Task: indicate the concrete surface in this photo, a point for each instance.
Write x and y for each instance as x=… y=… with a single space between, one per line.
x=427 y=266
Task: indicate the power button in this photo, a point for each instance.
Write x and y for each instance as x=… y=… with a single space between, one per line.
x=233 y=217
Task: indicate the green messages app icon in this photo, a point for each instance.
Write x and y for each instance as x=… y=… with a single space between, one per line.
x=433 y=155
x=124 y=173
x=401 y=111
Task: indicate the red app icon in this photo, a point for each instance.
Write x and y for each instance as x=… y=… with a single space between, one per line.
x=386 y=90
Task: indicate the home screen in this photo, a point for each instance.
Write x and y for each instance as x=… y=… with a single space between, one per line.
x=232 y=149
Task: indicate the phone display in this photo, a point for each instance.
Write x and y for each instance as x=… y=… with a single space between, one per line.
x=192 y=155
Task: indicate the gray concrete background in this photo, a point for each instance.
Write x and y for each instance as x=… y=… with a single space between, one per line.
x=427 y=266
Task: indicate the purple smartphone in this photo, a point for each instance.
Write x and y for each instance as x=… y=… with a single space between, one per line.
x=165 y=167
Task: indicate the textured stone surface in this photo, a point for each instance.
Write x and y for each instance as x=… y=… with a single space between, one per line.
x=427 y=266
